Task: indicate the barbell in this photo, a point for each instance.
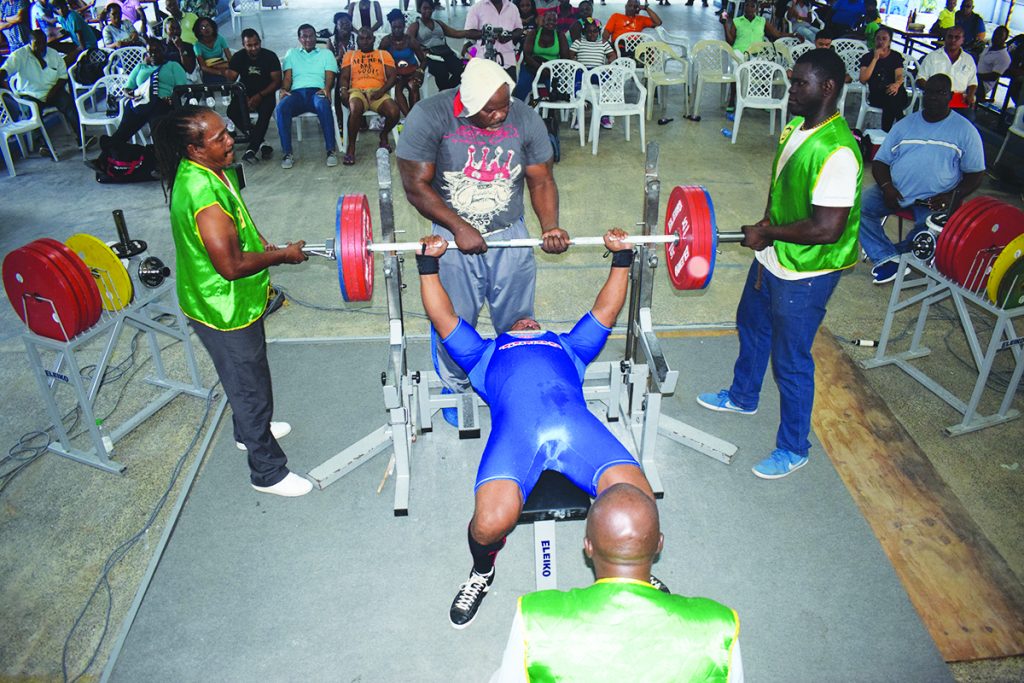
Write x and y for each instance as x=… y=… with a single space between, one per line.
x=691 y=240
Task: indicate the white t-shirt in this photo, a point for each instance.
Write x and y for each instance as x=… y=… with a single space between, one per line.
x=837 y=186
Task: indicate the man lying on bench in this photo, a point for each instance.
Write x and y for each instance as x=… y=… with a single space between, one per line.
x=533 y=382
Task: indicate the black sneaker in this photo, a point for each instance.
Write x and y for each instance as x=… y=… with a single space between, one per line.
x=656 y=582
x=266 y=151
x=249 y=156
x=467 y=600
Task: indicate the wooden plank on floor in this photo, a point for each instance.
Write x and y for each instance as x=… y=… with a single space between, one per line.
x=967 y=596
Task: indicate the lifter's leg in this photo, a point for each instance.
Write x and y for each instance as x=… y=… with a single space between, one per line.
x=498 y=505
x=624 y=474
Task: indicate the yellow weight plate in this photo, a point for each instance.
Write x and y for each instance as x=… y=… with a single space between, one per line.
x=111 y=276
x=1007 y=257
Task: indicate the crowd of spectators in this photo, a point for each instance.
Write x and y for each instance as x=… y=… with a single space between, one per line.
x=386 y=73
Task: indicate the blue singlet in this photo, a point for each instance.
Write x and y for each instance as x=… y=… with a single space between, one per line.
x=539 y=418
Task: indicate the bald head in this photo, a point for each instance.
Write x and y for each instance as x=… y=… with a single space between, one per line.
x=623 y=533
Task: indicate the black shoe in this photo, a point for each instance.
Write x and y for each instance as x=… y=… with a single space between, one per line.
x=467 y=600
x=266 y=151
x=656 y=582
x=250 y=156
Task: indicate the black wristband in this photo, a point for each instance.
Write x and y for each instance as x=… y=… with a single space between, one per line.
x=622 y=259
x=427 y=265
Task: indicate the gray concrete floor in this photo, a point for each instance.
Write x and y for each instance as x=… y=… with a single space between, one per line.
x=59 y=520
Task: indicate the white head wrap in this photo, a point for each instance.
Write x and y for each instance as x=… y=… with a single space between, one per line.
x=480 y=81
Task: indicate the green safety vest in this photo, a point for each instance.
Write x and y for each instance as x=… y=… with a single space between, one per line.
x=792 y=191
x=624 y=630
x=203 y=294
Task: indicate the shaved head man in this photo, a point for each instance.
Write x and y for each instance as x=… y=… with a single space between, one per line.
x=621 y=627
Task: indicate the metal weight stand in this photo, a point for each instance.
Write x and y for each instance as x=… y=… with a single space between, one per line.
x=144 y=314
x=1004 y=336
x=631 y=389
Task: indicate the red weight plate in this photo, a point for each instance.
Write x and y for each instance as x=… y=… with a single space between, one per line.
x=356 y=233
x=970 y=219
x=699 y=265
x=945 y=238
x=85 y=275
x=687 y=259
x=981 y=240
x=28 y=275
x=965 y=214
x=70 y=277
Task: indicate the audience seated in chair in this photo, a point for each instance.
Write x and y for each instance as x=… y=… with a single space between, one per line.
x=409 y=59
x=176 y=48
x=149 y=85
x=540 y=45
x=367 y=76
x=949 y=147
x=187 y=20
x=212 y=51
x=442 y=63
x=259 y=71
x=309 y=73
x=881 y=70
x=993 y=63
x=81 y=34
x=118 y=31
x=952 y=60
x=630 y=21
x=42 y=77
x=750 y=28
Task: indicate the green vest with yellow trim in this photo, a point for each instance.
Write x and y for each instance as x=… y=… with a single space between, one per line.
x=625 y=630
x=793 y=189
x=203 y=294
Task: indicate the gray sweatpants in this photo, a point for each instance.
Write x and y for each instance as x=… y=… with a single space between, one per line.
x=504 y=278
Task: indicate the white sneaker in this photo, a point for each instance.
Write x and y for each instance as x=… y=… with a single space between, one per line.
x=287 y=161
x=278 y=429
x=332 y=159
x=291 y=486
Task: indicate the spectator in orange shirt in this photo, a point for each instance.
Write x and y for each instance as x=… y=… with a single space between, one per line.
x=630 y=21
x=367 y=76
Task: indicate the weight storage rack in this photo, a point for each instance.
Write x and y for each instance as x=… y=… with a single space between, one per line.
x=1004 y=336
x=55 y=364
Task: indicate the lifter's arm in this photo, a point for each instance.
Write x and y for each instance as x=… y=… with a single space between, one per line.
x=613 y=295
x=220 y=237
x=435 y=300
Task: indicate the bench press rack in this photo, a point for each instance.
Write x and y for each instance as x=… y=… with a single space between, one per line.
x=631 y=389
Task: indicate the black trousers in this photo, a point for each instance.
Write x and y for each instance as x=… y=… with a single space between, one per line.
x=447 y=74
x=891 y=105
x=257 y=131
x=240 y=357
x=134 y=118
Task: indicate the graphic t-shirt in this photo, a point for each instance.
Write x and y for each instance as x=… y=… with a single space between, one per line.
x=367 y=68
x=254 y=74
x=479 y=173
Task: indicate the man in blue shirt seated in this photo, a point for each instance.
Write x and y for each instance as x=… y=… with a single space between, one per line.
x=846 y=16
x=925 y=158
x=532 y=380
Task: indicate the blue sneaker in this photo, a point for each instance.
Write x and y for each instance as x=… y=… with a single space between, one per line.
x=780 y=463
x=722 y=403
x=451 y=415
x=886 y=272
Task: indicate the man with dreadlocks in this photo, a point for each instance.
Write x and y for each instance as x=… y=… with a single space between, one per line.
x=222 y=281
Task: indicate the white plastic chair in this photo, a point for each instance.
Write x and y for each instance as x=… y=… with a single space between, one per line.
x=678 y=41
x=124 y=59
x=1016 y=128
x=606 y=87
x=850 y=51
x=625 y=44
x=78 y=88
x=755 y=85
x=712 y=61
x=657 y=59
x=797 y=50
x=563 y=74
x=789 y=41
x=92 y=105
x=245 y=8
x=9 y=126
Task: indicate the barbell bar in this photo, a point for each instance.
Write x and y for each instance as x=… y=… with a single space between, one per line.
x=691 y=240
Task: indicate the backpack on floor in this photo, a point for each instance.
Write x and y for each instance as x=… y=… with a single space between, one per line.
x=124 y=163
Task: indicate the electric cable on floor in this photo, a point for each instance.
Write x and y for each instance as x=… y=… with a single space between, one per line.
x=122 y=550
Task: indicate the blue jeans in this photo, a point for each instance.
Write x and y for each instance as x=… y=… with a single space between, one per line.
x=302 y=101
x=873 y=240
x=778 y=319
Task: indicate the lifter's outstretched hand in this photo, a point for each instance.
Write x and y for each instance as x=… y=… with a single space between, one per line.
x=617 y=239
x=433 y=245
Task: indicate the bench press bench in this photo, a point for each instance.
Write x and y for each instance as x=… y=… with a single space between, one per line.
x=553 y=499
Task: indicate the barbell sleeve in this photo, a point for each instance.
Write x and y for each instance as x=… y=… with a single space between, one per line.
x=730 y=237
